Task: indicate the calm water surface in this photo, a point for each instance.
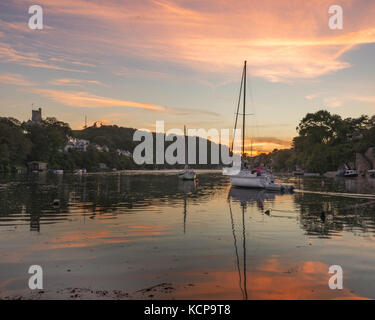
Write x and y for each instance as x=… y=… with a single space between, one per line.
x=143 y=236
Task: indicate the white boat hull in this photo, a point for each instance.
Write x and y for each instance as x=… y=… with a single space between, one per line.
x=248 y=182
x=246 y=179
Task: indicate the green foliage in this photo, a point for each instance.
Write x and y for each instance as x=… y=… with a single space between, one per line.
x=14 y=145
x=113 y=137
x=325 y=141
x=47 y=139
x=283 y=160
x=21 y=143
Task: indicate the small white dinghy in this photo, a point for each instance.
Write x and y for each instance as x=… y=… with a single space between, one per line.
x=187 y=174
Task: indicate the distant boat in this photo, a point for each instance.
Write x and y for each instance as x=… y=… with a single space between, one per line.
x=80 y=171
x=311 y=174
x=57 y=171
x=186 y=173
x=347 y=173
x=298 y=172
x=350 y=173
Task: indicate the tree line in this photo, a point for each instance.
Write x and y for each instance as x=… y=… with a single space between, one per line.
x=21 y=143
x=324 y=142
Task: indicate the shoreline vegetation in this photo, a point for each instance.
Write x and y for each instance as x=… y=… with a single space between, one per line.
x=325 y=144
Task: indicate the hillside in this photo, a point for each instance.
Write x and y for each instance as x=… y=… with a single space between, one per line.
x=93 y=148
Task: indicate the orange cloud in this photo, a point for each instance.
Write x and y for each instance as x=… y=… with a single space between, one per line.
x=14 y=79
x=270 y=140
x=9 y=54
x=18 y=26
x=87 y=100
x=335 y=102
x=311 y=96
x=84 y=99
x=74 y=82
x=260 y=145
x=282 y=41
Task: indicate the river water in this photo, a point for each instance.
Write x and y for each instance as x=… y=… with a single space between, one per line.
x=148 y=235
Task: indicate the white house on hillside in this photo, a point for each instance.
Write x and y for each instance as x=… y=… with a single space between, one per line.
x=76 y=144
x=126 y=153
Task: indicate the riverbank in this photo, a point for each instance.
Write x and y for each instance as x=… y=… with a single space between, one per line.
x=161 y=291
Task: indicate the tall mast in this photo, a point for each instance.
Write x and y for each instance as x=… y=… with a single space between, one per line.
x=186 y=148
x=238 y=109
x=244 y=113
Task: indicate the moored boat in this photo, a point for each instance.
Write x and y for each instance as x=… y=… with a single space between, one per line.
x=186 y=173
x=350 y=173
x=298 y=172
x=245 y=178
x=80 y=171
x=311 y=174
x=56 y=171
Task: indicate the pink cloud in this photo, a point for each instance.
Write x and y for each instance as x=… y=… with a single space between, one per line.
x=282 y=41
x=87 y=100
x=75 y=82
x=9 y=54
x=14 y=79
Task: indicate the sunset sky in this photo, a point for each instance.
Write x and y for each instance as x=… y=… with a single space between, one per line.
x=131 y=63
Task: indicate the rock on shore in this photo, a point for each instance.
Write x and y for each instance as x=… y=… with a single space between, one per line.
x=362 y=164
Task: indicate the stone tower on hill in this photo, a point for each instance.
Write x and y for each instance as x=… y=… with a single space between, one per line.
x=37 y=116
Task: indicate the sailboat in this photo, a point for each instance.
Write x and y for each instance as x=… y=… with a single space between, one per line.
x=186 y=173
x=259 y=178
